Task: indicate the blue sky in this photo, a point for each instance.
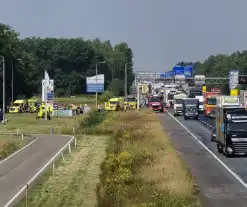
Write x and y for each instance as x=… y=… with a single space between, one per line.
x=160 y=32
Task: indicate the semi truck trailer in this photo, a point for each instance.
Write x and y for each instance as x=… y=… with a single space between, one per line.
x=231 y=130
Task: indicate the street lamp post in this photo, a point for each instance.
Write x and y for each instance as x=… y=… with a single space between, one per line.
x=96 y=91
x=126 y=80
x=3 y=62
x=12 y=83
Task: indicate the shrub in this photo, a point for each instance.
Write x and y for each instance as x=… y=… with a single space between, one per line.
x=142 y=168
x=106 y=96
x=91 y=120
x=9 y=148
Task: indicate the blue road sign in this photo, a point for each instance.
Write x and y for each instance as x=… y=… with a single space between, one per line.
x=95 y=87
x=50 y=96
x=188 y=71
x=178 y=70
x=168 y=74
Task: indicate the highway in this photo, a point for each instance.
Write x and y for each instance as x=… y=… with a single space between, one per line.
x=221 y=181
x=16 y=171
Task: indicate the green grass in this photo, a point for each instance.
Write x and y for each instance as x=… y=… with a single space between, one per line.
x=27 y=123
x=74 y=181
x=11 y=143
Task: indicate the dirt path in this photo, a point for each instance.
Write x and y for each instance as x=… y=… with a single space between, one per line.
x=74 y=182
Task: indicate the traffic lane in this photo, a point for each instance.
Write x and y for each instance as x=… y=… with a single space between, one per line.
x=208 y=121
x=236 y=164
x=217 y=186
x=23 y=166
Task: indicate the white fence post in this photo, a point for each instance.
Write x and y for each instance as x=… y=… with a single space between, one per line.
x=75 y=142
x=69 y=148
x=74 y=130
x=53 y=168
x=26 y=195
x=62 y=157
x=22 y=137
x=17 y=131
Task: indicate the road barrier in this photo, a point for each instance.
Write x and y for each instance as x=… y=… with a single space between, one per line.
x=23 y=192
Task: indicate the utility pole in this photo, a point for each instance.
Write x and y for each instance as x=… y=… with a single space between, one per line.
x=12 y=81
x=96 y=76
x=126 y=80
x=3 y=61
x=138 y=95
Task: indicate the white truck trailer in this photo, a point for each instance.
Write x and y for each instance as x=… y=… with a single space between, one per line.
x=178 y=103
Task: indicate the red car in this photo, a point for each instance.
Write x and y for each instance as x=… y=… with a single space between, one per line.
x=156 y=103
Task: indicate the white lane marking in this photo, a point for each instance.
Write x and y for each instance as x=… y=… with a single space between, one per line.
x=15 y=153
x=210 y=152
x=39 y=172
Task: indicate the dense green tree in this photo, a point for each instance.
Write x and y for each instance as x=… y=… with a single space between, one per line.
x=68 y=62
x=219 y=66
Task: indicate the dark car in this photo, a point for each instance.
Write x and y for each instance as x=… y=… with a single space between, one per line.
x=211 y=114
x=213 y=135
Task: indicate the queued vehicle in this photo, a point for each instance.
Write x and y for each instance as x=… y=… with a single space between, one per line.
x=178 y=103
x=156 y=103
x=209 y=101
x=213 y=135
x=231 y=130
x=114 y=104
x=211 y=114
x=131 y=101
x=190 y=108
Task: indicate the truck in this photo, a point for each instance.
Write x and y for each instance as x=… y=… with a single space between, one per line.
x=200 y=98
x=193 y=92
x=209 y=102
x=170 y=97
x=178 y=103
x=190 y=108
x=243 y=97
x=231 y=130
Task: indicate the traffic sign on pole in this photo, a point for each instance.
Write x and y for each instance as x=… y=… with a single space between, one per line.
x=233 y=79
x=95 y=85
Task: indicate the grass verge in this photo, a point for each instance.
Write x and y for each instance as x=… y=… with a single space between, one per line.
x=27 y=123
x=142 y=168
x=11 y=143
x=74 y=182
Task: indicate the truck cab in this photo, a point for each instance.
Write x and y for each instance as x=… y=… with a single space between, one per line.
x=200 y=98
x=231 y=130
x=178 y=103
x=209 y=102
x=190 y=108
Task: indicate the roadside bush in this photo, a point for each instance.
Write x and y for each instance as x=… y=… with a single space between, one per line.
x=91 y=120
x=9 y=148
x=106 y=96
x=142 y=168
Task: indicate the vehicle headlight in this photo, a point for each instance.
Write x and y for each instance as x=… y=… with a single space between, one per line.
x=186 y=114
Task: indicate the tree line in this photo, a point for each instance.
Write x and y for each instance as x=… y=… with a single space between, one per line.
x=68 y=62
x=219 y=66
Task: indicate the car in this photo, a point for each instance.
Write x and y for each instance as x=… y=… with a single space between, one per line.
x=211 y=114
x=213 y=135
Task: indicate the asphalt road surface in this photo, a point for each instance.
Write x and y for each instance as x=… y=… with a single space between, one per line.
x=219 y=186
x=20 y=168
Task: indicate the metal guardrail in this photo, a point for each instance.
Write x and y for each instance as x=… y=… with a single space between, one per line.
x=23 y=192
